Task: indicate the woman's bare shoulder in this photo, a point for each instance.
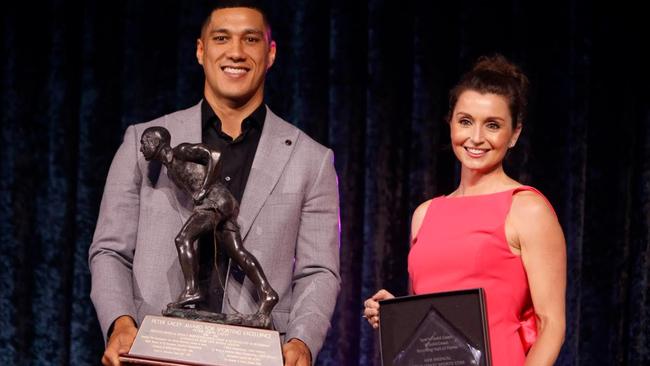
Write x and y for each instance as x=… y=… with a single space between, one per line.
x=418 y=217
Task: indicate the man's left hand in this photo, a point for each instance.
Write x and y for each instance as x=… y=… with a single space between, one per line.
x=296 y=353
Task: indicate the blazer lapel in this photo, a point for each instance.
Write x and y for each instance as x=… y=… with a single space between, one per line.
x=273 y=152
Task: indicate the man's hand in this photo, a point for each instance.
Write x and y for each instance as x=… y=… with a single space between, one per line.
x=296 y=353
x=121 y=339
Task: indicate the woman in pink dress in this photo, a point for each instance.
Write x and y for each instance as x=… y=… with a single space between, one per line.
x=492 y=232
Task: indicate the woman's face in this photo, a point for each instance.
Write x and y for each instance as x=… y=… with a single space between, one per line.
x=481 y=130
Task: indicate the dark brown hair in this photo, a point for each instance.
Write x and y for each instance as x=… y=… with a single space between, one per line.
x=496 y=75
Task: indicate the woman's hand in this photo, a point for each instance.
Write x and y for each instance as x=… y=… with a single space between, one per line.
x=371 y=307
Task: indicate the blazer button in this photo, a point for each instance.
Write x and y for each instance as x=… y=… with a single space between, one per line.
x=287 y=142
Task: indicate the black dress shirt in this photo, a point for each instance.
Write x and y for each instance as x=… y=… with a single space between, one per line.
x=236 y=154
x=235 y=165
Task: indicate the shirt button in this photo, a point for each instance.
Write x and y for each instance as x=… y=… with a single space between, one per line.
x=227 y=178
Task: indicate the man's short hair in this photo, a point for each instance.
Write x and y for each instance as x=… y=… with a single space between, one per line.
x=225 y=4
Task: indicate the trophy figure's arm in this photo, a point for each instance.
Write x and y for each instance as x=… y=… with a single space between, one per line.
x=201 y=154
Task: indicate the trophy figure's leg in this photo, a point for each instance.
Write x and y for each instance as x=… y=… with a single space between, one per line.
x=247 y=262
x=200 y=222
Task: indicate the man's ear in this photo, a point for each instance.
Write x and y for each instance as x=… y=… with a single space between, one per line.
x=199 y=51
x=271 y=54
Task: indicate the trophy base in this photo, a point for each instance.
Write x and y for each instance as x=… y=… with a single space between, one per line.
x=180 y=342
x=261 y=321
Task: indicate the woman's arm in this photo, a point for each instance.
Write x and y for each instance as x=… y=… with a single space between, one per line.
x=416 y=223
x=543 y=252
x=418 y=217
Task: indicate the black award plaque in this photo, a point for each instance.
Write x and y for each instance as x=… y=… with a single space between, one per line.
x=438 y=329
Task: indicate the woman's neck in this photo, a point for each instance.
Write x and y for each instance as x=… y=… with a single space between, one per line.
x=475 y=183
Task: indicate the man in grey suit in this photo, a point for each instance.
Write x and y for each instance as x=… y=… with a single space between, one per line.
x=285 y=182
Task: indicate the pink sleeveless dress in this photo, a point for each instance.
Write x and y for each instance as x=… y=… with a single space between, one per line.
x=461 y=245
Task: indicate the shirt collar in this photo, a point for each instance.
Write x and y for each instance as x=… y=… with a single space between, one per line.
x=254 y=120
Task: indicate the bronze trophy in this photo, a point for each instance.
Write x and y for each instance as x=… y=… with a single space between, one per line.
x=187 y=334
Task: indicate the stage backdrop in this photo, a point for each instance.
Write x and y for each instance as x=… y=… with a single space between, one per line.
x=368 y=79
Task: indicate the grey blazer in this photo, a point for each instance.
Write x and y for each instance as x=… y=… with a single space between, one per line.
x=288 y=218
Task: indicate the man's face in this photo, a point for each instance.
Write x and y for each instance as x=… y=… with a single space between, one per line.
x=235 y=51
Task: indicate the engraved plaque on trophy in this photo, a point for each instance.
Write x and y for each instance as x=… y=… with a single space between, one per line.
x=439 y=329
x=175 y=341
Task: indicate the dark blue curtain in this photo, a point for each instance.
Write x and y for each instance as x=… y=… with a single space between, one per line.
x=369 y=79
